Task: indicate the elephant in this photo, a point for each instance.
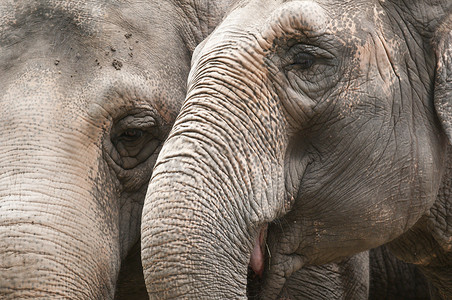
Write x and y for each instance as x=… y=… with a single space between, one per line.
x=88 y=92
x=312 y=130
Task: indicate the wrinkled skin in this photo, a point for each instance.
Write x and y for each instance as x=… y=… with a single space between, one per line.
x=88 y=92
x=312 y=130
x=429 y=243
x=373 y=275
x=348 y=279
x=392 y=279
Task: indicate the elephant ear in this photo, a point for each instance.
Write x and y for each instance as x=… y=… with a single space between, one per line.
x=443 y=77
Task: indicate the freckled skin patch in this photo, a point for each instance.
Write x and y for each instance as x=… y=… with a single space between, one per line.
x=326 y=102
x=72 y=175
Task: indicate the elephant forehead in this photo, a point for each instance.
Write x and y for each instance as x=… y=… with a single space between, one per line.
x=43 y=93
x=48 y=30
x=85 y=47
x=270 y=22
x=97 y=24
x=296 y=16
x=347 y=19
x=28 y=13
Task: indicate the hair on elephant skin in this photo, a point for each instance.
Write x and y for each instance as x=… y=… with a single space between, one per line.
x=88 y=92
x=311 y=131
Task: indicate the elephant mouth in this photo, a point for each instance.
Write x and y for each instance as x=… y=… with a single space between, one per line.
x=256 y=265
x=257 y=259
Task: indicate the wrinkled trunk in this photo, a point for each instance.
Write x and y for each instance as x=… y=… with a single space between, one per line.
x=48 y=246
x=210 y=196
x=43 y=255
x=193 y=246
x=218 y=180
x=58 y=232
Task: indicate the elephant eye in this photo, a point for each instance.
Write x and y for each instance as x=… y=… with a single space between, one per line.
x=134 y=138
x=131 y=134
x=134 y=130
x=303 y=60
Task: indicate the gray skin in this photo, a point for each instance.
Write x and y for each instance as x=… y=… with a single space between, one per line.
x=392 y=279
x=376 y=274
x=328 y=122
x=88 y=92
x=347 y=280
x=373 y=275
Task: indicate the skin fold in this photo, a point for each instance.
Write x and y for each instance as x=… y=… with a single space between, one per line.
x=88 y=92
x=375 y=274
x=322 y=126
x=392 y=279
x=348 y=279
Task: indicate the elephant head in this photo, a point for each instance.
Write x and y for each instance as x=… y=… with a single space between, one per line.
x=309 y=133
x=88 y=92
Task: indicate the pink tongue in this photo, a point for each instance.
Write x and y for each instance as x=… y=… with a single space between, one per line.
x=257 y=256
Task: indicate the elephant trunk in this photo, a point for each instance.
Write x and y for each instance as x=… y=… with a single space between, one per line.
x=56 y=240
x=192 y=245
x=218 y=181
x=46 y=257
x=208 y=203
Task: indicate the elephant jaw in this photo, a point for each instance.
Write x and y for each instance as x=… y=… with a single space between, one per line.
x=257 y=255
